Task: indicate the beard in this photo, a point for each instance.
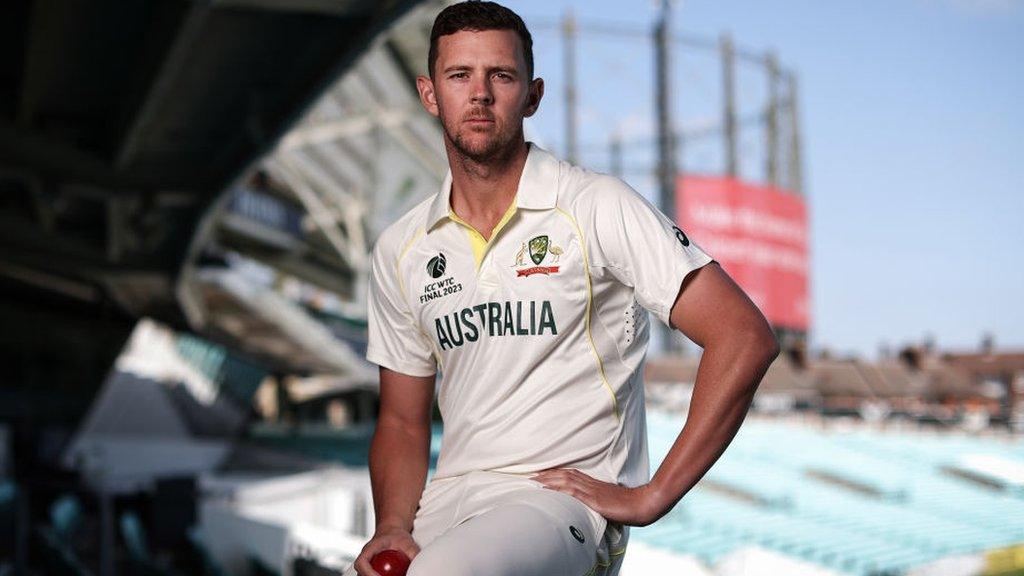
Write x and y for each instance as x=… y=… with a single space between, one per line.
x=500 y=144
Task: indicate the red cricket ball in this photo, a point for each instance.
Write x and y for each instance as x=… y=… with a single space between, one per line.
x=390 y=563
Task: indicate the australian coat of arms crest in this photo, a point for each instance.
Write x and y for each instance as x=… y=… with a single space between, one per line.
x=538 y=248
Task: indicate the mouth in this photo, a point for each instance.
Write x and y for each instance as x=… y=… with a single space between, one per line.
x=478 y=117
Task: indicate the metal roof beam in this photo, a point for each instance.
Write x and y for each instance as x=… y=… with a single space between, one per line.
x=170 y=70
x=322 y=216
x=419 y=150
x=347 y=128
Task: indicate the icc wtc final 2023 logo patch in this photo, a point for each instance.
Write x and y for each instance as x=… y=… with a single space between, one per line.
x=538 y=248
x=436 y=267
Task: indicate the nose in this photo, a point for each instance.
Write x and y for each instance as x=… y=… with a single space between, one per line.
x=482 y=92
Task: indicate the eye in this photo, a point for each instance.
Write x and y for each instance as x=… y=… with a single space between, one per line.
x=505 y=76
x=460 y=75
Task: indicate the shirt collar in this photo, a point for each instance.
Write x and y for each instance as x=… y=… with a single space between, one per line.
x=538 y=186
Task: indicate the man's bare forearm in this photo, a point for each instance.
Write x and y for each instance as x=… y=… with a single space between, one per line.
x=399 y=456
x=728 y=375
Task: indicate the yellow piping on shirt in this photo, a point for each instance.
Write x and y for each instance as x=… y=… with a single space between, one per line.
x=398 y=261
x=599 y=564
x=401 y=286
x=590 y=300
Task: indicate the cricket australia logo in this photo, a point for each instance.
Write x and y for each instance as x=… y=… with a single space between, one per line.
x=538 y=248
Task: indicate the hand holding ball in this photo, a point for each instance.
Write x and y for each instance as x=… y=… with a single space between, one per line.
x=390 y=563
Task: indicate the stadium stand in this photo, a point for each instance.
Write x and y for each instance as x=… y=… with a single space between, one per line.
x=972 y=391
x=894 y=381
x=855 y=501
x=786 y=376
x=841 y=384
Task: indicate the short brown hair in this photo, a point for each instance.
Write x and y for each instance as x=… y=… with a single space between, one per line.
x=477 y=16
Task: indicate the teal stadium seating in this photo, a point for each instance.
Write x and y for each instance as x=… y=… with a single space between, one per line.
x=857 y=502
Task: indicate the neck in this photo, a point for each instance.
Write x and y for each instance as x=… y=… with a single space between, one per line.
x=485 y=188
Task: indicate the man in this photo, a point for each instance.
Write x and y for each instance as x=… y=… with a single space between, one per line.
x=522 y=283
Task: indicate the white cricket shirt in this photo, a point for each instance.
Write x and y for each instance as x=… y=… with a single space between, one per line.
x=539 y=333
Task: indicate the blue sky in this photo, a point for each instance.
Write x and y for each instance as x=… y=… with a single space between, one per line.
x=912 y=121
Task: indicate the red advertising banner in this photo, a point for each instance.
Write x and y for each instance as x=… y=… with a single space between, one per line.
x=759 y=236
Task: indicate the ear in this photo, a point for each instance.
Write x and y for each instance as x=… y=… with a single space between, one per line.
x=534 y=96
x=425 y=86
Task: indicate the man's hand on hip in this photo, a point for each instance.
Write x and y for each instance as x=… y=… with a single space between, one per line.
x=631 y=506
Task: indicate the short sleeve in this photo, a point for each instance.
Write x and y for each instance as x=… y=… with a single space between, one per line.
x=395 y=339
x=639 y=245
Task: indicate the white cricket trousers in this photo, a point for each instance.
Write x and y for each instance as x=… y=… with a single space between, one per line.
x=494 y=524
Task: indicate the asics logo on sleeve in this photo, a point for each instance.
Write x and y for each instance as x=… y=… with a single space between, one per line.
x=681 y=236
